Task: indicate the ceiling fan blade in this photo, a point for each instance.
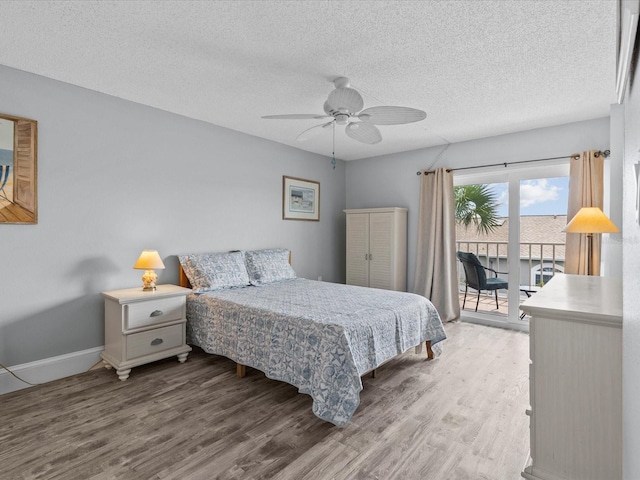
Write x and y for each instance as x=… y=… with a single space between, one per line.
x=391 y=115
x=364 y=132
x=313 y=131
x=296 y=116
x=345 y=99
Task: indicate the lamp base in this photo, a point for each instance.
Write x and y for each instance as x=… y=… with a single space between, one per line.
x=149 y=281
x=589 y=252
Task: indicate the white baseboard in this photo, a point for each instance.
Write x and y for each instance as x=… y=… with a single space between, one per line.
x=48 y=369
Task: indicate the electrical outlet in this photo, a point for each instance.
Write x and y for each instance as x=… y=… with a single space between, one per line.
x=320 y=278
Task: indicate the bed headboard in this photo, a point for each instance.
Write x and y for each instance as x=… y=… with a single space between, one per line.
x=184 y=281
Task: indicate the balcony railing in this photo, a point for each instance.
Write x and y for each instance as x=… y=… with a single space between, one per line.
x=538 y=263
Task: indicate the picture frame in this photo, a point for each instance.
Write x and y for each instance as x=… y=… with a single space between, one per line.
x=18 y=170
x=628 y=11
x=300 y=199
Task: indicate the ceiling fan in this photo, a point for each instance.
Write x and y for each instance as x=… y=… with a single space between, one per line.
x=344 y=107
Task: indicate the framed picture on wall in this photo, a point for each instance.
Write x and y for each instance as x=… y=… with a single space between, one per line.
x=300 y=199
x=18 y=170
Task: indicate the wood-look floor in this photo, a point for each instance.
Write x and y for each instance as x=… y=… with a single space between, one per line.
x=458 y=417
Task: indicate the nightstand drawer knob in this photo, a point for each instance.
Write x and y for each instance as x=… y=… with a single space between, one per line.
x=156 y=313
x=156 y=341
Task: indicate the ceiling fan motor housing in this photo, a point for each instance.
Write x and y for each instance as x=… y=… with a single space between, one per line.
x=342 y=118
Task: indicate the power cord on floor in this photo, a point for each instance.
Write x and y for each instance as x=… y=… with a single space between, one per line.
x=34 y=384
x=96 y=365
x=21 y=379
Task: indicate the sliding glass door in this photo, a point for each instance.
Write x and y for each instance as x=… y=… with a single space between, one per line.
x=521 y=239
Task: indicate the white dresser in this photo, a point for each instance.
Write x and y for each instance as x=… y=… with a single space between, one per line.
x=575 y=379
x=377 y=248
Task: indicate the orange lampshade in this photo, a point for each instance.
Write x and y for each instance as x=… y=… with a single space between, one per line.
x=590 y=220
x=149 y=260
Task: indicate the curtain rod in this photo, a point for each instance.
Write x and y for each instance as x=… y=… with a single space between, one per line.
x=575 y=156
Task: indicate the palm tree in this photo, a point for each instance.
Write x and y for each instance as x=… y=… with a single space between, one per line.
x=477 y=205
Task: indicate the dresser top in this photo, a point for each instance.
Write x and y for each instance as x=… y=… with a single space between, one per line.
x=582 y=298
x=130 y=295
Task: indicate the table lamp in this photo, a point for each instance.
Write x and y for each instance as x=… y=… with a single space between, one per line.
x=149 y=260
x=590 y=220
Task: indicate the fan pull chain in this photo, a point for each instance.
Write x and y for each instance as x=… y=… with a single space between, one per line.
x=333 y=153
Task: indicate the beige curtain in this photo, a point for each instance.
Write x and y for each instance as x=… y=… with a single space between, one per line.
x=585 y=190
x=436 y=275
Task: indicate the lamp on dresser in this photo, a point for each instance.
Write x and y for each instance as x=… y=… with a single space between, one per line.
x=590 y=220
x=149 y=260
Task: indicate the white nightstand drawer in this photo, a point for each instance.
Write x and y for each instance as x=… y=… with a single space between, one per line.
x=152 y=341
x=157 y=311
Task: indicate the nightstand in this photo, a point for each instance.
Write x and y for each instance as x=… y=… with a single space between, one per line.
x=142 y=327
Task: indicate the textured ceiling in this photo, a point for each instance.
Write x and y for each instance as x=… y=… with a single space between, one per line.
x=478 y=68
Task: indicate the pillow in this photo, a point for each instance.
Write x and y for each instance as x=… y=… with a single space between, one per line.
x=266 y=266
x=214 y=271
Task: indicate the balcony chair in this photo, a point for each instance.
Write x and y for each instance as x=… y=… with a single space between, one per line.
x=4 y=176
x=476 y=278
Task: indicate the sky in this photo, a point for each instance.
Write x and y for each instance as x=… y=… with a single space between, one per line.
x=543 y=196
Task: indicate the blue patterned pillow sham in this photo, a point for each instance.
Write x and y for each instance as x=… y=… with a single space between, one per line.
x=267 y=266
x=215 y=271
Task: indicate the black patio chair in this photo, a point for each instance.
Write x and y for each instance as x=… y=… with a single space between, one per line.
x=476 y=278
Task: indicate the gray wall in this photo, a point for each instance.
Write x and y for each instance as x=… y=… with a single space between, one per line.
x=114 y=178
x=391 y=180
x=631 y=283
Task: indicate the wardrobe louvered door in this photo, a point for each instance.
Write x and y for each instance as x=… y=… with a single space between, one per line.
x=358 y=250
x=376 y=248
x=381 y=260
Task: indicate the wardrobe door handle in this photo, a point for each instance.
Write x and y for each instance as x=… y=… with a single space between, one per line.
x=156 y=341
x=370 y=257
x=156 y=313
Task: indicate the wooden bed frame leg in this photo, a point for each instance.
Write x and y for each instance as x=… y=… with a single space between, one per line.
x=430 y=355
x=241 y=370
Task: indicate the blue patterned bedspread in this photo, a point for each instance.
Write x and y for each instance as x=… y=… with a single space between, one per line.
x=318 y=336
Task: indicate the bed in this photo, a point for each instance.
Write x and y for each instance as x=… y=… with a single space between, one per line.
x=318 y=336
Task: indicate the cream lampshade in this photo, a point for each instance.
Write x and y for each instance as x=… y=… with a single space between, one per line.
x=590 y=220
x=149 y=260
